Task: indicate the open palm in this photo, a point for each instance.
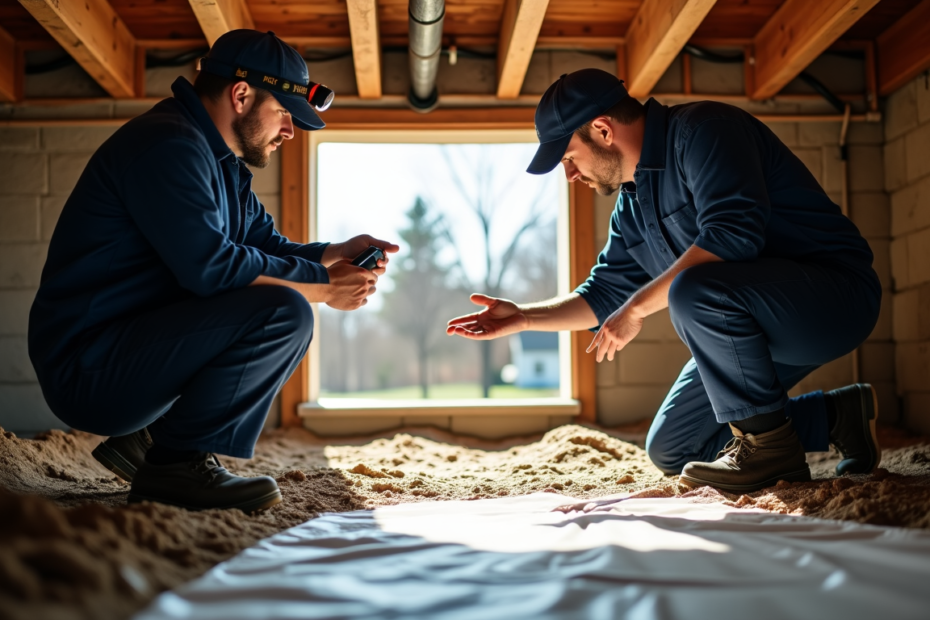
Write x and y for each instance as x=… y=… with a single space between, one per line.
x=500 y=317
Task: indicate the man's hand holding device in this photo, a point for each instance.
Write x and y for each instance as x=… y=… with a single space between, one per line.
x=353 y=281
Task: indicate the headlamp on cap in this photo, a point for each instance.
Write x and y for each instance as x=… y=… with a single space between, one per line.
x=320 y=97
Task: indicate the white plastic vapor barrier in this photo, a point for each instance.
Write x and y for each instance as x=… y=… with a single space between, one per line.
x=510 y=558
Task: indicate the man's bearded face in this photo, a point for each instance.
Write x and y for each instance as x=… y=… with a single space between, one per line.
x=252 y=137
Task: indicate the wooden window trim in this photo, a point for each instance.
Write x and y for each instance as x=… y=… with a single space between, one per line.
x=295 y=224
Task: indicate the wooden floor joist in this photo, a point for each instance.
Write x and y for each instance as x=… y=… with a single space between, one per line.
x=9 y=75
x=96 y=38
x=217 y=17
x=799 y=32
x=366 y=47
x=903 y=50
x=658 y=33
x=520 y=26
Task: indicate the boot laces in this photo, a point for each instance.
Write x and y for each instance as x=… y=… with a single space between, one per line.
x=738 y=449
x=209 y=465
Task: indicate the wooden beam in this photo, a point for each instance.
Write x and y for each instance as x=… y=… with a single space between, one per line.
x=11 y=70
x=904 y=49
x=798 y=32
x=582 y=256
x=655 y=37
x=217 y=17
x=366 y=47
x=520 y=24
x=295 y=225
x=96 y=38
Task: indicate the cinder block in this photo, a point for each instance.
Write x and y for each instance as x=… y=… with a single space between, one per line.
x=865 y=133
x=628 y=404
x=915 y=412
x=910 y=208
x=882 y=329
x=272 y=204
x=23 y=410
x=603 y=209
x=899 y=263
x=21 y=264
x=23 y=173
x=49 y=212
x=912 y=366
x=819 y=134
x=652 y=363
x=348 y=426
x=15 y=366
x=267 y=180
x=918 y=256
x=537 y=74
x=871 y=213
x=499 y=426
x=866 y=169
x=786 y=132
x=895 y=165
x=923 y=99
x=881 y=250
x=876 y=362
x=917 y=152
x=813 y=159
x=65 y=170
x=468 y=75
x=906 y=316
x=438 y=421
x=607 y=372
x=901 y=111
x=889 y=405
x=658 y=328
x=832 y=179
x=19 y=138
x=86 y=139
x=709 y=77
x=19 y=218
x=14 y=311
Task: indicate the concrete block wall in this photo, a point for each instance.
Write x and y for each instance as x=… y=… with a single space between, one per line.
x=39 y=167
x=907 y=180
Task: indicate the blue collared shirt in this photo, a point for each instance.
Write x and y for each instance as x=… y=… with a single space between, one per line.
x=713 y=176
x=163 y=211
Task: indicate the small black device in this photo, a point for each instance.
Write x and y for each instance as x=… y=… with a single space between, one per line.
x=369 y=258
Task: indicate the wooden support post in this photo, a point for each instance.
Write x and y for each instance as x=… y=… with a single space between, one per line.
x=686 y=73
x=798 y=32
x=11 y=69
x=366 y=47
x=655 y=37
x=217 y=17
x=904 y=49
x=520 y=24
x=622 y=72
x=96 y=38
x=295 y=225
x=582 y=254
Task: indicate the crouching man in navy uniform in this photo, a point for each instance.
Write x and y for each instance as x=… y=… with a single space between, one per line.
x=764 y=278
x=170 y=311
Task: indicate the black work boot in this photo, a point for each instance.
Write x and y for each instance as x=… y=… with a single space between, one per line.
x=752 y=462
x=125 y=454
x=200 y=484
x=853 y=432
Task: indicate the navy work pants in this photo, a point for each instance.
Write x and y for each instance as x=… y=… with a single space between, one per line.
x=200 y=374
x=755 y=329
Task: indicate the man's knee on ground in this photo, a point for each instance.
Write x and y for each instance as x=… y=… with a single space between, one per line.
x=663 y=457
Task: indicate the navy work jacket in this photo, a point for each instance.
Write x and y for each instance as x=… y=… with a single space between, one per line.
x=713 y=176
x=164 y=211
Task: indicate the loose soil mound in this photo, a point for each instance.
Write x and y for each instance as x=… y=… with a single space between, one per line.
x=71 y=548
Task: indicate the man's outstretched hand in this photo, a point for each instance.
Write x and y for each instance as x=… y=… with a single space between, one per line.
x=500 y=317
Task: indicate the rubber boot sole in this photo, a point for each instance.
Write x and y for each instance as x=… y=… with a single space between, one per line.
x=802 y=475
x=253 y=505
x=114 y=461
x=869 y=401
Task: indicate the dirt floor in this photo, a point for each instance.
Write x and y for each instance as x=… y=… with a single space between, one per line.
x=71 y=548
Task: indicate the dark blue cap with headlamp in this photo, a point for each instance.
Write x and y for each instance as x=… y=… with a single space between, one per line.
x=573 y=100
x=264 y=61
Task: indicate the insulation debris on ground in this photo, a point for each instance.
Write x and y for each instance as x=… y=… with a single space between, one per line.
x=70 y=547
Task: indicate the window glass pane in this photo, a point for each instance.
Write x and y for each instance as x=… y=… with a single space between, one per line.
x=468 y=218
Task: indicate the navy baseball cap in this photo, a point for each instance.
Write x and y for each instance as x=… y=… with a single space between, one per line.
x=265 y=61
x=573 y=100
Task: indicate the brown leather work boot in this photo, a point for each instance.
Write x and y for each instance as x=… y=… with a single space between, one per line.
x=752 y=462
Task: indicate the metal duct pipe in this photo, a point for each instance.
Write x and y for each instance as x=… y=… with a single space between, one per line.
x=425 y=46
